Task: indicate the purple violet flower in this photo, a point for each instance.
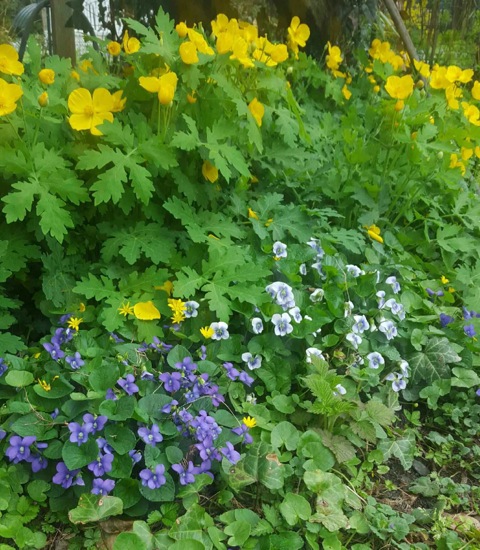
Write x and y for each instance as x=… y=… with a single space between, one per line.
x=94 y=424
x=153 y=479
x=110 y=395
x=75 y=361
x=136 y=456
x=38 y=462
x=245 y=378
x=102 y=465
x=19 y=448
x=3 y=366
x=78 y=434
x=243 y=431
x=169 y=406
x=445 y=320
x=65 y=477
x=171 y=382
x=469 y=330
x=3 y=434
x=128 y=384
x=104 y=446
x=230 y=453
x=152 y=436
x=54 y=351
x=186 y=475
x=102 y=486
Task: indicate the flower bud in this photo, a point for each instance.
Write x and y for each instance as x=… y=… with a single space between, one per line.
x=46 y=76
x=43 y=99
x=289 y=70
x=440 y=155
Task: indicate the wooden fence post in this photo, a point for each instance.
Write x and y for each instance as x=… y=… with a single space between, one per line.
x=63 y=37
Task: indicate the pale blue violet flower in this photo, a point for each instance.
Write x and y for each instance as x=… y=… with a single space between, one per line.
x=375 y=359
x=279 y=250
x=397 y=381
x=191 y=308
x=388 y=328
x=361 y=324
x=282 y=324
x=392 y=281
x=313 y=352
x=220 y=331
x=354 y=270
x=295 y=313
x=252 y=362
x=354 y=339
x=257 y=325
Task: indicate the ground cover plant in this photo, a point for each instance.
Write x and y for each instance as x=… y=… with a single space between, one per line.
x=238 y=295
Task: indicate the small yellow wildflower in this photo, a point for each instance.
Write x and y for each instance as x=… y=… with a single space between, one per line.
x=74 y=322
x=75 y=75
x=81 y=307
x=249 y=422
x=450 y=289
x=374 y=233
x=114 y=48
x=46 y=76
x=207 y=332
x=36 y=355
x=126 y=309
x=165 y=86
x=269 y=222
x=43 y=99
x=44 y=385
x=178 y=317
x=177 y=306
x=444 y=280
x=252 y=214
x=209 y=172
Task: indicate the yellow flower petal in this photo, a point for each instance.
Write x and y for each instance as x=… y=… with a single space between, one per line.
x=9 y=63
x=209 y=172
x=188 y=53
x=207 y=332
x=150 y=83
x=257 y=110
x=146 y=311
x=249 y=422
x=114 y=48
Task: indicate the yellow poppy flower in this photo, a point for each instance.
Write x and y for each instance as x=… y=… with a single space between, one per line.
x=118 y=102
x=188 y=53
x=476 y=90
x=298 y=34
x=166 y=287
x=43 y=99
x=438 y=78
x=374 y=233
x=220 y=24
x=207 y=332
x=249 y=422
x=74 y=322
x=182 y=30
x=252 y=214
x=164 y=86
x=200 y=43
x=279 y=53
x=9 y=95
x=146 y=311
x=257 y=110
x=75 y=75
x=444 y=280
x=347 y=94
x=472 y=113
x=126 y=309
x=130 y=44
x=240 y=52
x=209 y=172
x=46 y=76
x=191 y=97
x=422 y=67
x=9 y=63
x=399 y=87
x=87 y=65
x=114 y=48
x=89 y=111
x=334 y=57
